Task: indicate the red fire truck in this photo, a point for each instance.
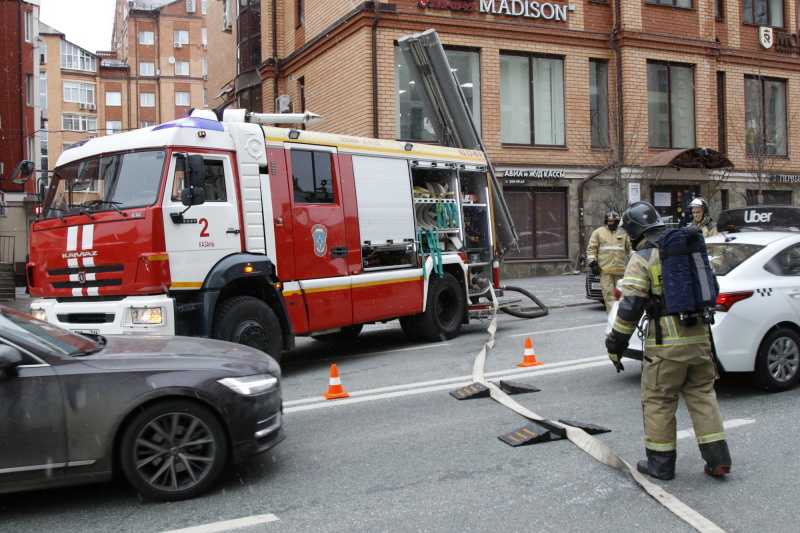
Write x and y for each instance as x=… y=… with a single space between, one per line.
x=223 y=227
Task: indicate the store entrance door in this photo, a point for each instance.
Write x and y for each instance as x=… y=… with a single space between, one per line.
x=672 y=203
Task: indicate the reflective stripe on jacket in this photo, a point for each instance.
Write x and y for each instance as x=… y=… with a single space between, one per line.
x=610 y=249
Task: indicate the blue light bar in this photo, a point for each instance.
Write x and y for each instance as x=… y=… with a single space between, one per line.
x=192 y=122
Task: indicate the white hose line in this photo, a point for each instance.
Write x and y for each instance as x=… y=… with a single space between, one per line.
x=588 y=443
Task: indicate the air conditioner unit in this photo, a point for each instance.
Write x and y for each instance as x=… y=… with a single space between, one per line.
x=82 y=106
x=178 y=45
x=44 y=114
x=283 y=104
x=92 y=107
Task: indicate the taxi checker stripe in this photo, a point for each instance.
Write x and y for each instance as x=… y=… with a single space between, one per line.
x=588 y=443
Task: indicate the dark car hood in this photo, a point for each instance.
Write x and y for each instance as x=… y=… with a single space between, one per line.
x=180 y=353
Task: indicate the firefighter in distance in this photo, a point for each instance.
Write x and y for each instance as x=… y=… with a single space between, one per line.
x=677 y=357
x=607 y=253
x=701 y=217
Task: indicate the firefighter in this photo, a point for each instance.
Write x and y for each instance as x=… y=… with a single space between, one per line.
x=701 y=217
x=677 y=357
x=607 y=253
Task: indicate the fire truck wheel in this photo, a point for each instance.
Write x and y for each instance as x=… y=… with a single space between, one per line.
x=249 y=321
x=347 y=333
x=444 y=312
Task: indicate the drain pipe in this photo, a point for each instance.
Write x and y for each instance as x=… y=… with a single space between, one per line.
x=275 y=56
x=376 y=19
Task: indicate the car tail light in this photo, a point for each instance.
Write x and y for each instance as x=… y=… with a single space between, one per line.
x=726 y=300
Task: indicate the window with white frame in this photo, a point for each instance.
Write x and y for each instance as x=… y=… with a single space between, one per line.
x=204 y=10
x=28 y=26
x=146 y=124
x=30 y=89
x=113 y=98
x=411 y=122
x=81 y=93
x=763 y=12
x=42 y=89
x=42 y=51
x=76 y=58
x=181 y=68
x=147 y=69
x=74 y=122
x=532 y=100
x=205 y=66
x=205 y=97
x=181 y=98
x=670 y=105
x=146 y=37
x=204 y=37
x=113 y=126
x=181 y=37
x=147 y=99
x=765 y=116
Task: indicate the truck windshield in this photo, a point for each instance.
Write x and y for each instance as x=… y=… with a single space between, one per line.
x=107 y=183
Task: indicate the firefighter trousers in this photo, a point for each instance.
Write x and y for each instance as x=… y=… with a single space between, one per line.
x=662 y=380
x=607 y=284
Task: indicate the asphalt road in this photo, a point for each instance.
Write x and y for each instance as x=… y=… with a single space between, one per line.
x=402 y=454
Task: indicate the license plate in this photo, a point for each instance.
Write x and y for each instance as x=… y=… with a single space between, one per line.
x=594 y=286
x=87 y=331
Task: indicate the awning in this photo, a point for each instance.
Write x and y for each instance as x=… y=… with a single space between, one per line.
x=690 y=158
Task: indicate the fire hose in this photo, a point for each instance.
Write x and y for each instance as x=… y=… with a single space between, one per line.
x=589 y=444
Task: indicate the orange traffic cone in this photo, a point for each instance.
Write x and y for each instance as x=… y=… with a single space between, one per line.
x=335 y=389
x=530 y=357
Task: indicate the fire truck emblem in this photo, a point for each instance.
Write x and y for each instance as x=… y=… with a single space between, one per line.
x=81 y=277
x=319 y=234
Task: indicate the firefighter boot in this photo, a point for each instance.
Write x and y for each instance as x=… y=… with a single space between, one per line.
x=717 y=457
x=659 y=465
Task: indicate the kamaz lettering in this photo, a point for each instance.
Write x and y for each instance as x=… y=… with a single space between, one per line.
x=74 y=255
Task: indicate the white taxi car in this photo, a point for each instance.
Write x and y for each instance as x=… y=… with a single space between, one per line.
x=757 y=323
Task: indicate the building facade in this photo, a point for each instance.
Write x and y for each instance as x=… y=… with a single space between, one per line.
x=20 y=120
x=583 y=106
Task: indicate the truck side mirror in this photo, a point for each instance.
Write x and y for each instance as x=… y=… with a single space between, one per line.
x=22 y=172
x=193 y=196
x=194 y=171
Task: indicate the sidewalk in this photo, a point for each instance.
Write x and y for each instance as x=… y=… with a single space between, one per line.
x=567 y=290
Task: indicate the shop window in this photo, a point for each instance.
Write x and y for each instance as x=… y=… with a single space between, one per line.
x=765 y=116
x=670 y=105
x=411 y=124
x=540 y=217
x=763 y=12
x=598 y=104
x=754 y=197
x=532 y=100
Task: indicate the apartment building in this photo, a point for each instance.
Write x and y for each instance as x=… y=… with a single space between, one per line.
x=583 y=105
x=19 y=124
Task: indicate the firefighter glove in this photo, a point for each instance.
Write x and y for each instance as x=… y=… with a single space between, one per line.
x=595 y=268
x=617 y=363
x=615 y=345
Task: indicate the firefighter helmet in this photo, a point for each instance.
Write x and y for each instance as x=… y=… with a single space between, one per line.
x=613 y=218
x=640 y=218
x=699 y=202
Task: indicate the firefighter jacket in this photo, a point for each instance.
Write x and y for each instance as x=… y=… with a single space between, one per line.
x=665 y=336
x=708 y=226
x=610 y=249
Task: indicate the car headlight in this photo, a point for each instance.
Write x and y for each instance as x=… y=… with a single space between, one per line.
x=250 y=385
x=40 y=314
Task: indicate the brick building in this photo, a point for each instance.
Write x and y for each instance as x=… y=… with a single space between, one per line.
x=583 y=106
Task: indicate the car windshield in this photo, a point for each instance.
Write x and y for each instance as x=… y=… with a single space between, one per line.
x=725 y=256
x=108 y=183
x=21 y=328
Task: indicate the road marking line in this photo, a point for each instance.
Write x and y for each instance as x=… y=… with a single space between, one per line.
x=557 y=330
x=512 y=372
x=228 y=525
x=686 y=433
x=322 y=403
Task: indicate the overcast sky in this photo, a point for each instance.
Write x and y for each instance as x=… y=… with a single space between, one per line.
x=87 y=23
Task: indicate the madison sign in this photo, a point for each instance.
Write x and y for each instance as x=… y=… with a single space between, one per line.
x=778 y=40
x=512 y=8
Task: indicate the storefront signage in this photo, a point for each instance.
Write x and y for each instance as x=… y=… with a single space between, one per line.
x=512 y=8
x=540 y=174
x=779 y=40
x=790 y=178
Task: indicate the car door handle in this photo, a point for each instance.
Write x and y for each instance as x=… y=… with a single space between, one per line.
x=339 y=251
x=796 y=293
